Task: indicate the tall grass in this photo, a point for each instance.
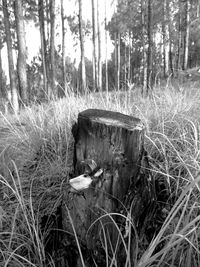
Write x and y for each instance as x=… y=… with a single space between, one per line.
x=36 y=149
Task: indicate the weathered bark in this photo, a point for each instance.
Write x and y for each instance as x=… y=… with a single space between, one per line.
x=110 y=144
x=52 y=48
x=22 y=53
x=94 y=56
x=43 y=44
x=64 y=91
x=81 y=34
x=13 y=86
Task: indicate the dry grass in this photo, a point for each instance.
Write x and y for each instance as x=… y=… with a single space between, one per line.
x=36 y=149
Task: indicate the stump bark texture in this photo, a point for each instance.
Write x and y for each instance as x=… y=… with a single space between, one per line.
x=110 y=144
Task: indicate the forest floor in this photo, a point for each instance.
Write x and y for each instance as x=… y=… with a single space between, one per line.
x=36 y=150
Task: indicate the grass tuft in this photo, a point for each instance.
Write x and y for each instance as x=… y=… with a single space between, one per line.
x=36 y=151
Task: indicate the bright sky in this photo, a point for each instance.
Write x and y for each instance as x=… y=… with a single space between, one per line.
x=70 y=8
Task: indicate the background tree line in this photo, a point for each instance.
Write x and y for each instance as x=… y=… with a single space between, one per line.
x=151 y=39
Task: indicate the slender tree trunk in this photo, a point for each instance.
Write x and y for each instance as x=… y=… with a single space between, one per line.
x=164 y=57
x=171 y=58
x=125 y=65
x=133 y=79
x=164 y=35
x=186 y=34
x=52 y=48
x=1 y=70
x=198 y=8
x=150 y=45
x=115 y=42
x=197 y=16
x=13 y=86
x=178 y=65
x=129 y=57
x=106 y=43
x=118 y=60
x=144 y=52
x=115 y=52
x=94 y=59
x=169 y=62
x=81 y=34
x=63 y=51
x=22 y=53
x=48 y=18
x=43 y=44
x=99 y=50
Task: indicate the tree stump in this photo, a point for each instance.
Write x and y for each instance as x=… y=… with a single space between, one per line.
x=108 y=156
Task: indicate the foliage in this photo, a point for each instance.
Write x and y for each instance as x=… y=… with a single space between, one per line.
x=126 y=21
x=73 y=24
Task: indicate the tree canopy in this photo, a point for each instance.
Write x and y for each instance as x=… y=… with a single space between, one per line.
x=151 y=40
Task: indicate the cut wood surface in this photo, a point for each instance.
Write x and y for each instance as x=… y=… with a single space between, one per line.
x=110 y=144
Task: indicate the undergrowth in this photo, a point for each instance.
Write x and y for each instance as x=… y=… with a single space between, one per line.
x=36 y=151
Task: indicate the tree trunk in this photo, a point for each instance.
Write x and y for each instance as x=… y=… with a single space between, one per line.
x=150 y=46
x=99 y=50
x=106 y=43
x=52 y=49
x=94 y=59
x=64 y=91
x=118 y=60
x=171 y=58
x=186 y=34
x=108 y=155
x=169 y=55
x=198 y=8
x=115 y=41
x=22 y=53
x=129 y=58
x=81 y=34
x=1 y=70
x=43 y=44
x=48 y=18
x=3 y=89
x=164 y=35
x=144 y=52
x=115 y=49
x=13 y=86
x=179 y=56
x=125 y=66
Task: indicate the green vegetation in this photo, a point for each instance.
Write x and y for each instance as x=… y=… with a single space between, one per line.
x=36 y=159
